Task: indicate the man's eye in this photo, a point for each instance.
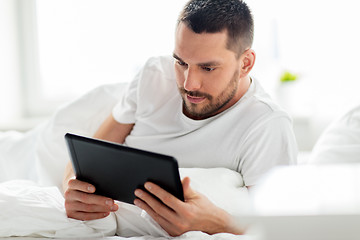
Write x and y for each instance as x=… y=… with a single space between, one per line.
x=181 y=63
x=208 y=69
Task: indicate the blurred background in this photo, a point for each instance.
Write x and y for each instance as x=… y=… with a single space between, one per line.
x=53 y=51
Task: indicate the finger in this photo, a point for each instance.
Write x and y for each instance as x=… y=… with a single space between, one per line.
x=76 y=184
x=166 y=225
x=157 y=207
x=141 y=204
x=85 y=216
x=189 y=193
x=89 y=198
x=167 y=198
x=89 y=208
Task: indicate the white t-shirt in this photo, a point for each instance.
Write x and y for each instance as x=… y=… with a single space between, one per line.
x=250 y=137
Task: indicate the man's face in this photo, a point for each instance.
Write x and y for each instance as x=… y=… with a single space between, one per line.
x=207 y=73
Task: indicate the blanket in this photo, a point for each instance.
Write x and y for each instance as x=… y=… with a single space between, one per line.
x=31 y=171
x=36 y=211
x=40 y=154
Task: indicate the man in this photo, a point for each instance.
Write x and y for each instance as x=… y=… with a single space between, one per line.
x=204 y=109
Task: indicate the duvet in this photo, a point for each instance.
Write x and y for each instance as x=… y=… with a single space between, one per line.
x=32 y=165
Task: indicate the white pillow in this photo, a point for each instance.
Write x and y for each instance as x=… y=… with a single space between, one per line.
x=340 y=142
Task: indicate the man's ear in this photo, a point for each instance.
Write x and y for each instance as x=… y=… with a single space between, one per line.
x=247 y=61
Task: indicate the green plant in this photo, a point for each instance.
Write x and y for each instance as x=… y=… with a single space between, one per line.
x=288 y=77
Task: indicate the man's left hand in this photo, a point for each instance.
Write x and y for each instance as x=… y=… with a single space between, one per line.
x=196 y=213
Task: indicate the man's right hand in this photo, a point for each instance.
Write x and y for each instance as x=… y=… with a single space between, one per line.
x=82 y=204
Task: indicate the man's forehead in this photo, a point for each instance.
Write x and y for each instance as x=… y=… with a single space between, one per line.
x=200 y=47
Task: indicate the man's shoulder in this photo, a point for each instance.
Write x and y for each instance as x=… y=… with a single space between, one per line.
x=157 y=76
x=261 y=105
x=163 y=64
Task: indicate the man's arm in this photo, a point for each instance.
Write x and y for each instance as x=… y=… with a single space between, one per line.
x=80 y=203
x=113 y=131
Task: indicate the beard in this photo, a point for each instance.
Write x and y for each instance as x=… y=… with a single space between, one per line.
x=214 y=105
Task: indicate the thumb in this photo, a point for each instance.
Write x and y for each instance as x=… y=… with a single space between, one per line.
x=188 y=191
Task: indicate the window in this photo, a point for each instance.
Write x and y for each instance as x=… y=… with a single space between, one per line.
x=81 y=44
x=67 y=47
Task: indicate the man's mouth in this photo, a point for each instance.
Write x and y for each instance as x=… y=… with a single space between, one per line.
x=195 y=100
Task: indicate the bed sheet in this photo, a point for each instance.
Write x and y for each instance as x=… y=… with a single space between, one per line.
x=186 y=236
x=31 y=171
x=37 y=211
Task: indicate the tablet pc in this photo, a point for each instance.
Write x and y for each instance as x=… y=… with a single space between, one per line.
x=117 y=170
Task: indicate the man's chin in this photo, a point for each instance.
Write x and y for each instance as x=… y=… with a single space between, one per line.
x=195 y=113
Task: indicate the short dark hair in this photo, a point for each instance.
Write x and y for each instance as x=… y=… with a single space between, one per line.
x=212 y=16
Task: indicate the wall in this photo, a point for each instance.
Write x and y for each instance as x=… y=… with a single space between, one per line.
x=10 y=99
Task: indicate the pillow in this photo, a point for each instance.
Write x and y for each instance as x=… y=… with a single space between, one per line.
x=340 y=142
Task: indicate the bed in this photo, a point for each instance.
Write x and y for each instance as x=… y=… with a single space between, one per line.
x=31 y=168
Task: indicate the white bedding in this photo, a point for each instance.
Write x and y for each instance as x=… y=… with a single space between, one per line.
x=32 y=165
x=36 y=211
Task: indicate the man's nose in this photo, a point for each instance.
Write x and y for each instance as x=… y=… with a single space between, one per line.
x=192 y=80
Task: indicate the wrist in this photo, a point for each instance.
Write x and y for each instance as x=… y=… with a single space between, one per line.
x=233 y=226
x=225 y=223
x=228 y=224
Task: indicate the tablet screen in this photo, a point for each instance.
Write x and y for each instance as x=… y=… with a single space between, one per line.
x=116 y=170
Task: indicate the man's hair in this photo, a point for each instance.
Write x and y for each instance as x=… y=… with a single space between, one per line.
x=212 y=16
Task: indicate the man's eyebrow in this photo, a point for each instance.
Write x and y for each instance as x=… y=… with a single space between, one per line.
x=205 y=64
x=177 y=57
x=209 y=64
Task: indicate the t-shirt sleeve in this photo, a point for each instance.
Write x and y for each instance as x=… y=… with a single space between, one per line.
x=125 y=110
x=140 y=96
x=271 y=144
